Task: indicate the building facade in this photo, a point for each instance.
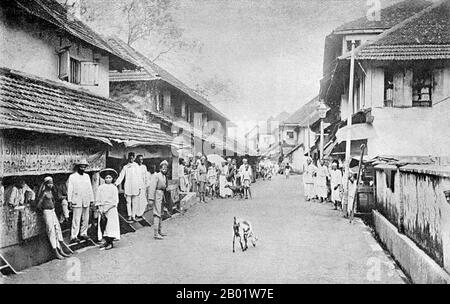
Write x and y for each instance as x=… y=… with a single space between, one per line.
x=296 y=134
x=54 y=111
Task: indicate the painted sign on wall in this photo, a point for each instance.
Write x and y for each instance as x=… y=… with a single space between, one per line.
x=40 y=155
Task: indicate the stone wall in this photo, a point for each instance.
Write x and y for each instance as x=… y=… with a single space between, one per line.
x=417 y=207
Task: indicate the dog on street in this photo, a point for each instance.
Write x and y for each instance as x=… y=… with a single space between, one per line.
x=243 y=230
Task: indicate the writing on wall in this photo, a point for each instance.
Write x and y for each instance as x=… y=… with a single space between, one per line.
x=42 y=155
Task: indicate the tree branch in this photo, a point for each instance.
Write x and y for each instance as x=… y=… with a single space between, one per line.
x=162 y=53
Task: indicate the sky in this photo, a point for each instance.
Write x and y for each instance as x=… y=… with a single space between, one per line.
x=270 y=51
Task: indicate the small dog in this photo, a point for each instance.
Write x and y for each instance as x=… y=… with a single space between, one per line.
x=243 y=230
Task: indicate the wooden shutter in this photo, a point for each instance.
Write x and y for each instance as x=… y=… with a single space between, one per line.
x=89 y=73
x=64 y=65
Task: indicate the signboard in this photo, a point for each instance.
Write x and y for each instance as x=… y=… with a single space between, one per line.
x=47 y=154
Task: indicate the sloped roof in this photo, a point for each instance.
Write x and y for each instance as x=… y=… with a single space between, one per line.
x=34 y=104
x=115 y=76
x=389 y=16
x=280 y=117
x=154 y=71
x=306 y=115
x=56 y=14
x=426 y=35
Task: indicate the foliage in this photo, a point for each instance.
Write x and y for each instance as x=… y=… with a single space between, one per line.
x=139 y=21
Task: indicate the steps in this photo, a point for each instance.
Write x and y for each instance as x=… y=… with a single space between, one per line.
x=5 y=267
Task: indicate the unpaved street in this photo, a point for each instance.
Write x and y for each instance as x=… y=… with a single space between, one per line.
x=299 y=242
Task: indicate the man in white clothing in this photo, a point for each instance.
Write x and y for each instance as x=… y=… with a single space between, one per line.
x=308 y=178
x=243 y=167
x=142 y=205
x=80 y=197
x=133 y=185
x=336 y=184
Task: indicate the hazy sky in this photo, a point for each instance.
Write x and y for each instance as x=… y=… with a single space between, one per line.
x=272 y=50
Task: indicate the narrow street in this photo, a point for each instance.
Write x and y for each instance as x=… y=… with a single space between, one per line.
x=299 y=242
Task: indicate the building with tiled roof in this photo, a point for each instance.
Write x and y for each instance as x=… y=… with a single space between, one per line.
x=424 y=36
x=305 y=115
x=53 y=12
x=153 y=72
x=388 y=17
x=297 y=138
x=161 y=97
x=55 y=112
x=34 y=104
x=401 y=88
x=366 y=29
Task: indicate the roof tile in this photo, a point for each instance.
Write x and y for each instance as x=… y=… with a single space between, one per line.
x=389 y=16
x=306 y=115
x=31 y=103
x=154 y=71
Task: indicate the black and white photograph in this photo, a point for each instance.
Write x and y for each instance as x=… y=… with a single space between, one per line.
x=249 y=143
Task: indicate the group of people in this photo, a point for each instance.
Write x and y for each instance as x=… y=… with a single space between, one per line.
x=143 y=188
x=267 y=169
x=76 y=195
x=325 y=183
x=214 y=179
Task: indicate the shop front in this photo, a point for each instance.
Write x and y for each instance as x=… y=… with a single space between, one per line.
x=26 y=158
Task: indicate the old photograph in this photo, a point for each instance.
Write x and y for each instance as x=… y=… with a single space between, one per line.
x=225 y=142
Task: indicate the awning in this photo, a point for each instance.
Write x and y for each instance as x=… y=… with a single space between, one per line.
x=358 y=132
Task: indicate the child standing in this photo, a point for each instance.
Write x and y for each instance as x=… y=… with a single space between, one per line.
x=246 y=176
x=107 y=201
x=212 y=180
x=202 y=178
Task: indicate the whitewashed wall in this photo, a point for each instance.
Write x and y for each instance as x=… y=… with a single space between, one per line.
x=31 y=48
x=419 y=209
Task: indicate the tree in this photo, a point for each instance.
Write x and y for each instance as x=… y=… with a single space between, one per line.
x=150 y=27
x=139 y=21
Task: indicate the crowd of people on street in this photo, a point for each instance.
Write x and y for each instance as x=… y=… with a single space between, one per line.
x=326 y=182
x=143 y=188
x=58 y=198
x=215 y=178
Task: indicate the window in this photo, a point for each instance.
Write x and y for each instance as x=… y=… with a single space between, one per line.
x=390 y=179
x=349 y=44
x=388 y=88
x=422 y=87
x=160 y=103
x=188 y=113
x=183 y=109
x=290 y=134
x=76 y=71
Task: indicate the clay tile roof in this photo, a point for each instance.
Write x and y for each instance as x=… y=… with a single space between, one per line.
x=54 y=13
x=306 y=115
x=425 y=35
x=389 y=16
x=154 y=71
x=34 y=104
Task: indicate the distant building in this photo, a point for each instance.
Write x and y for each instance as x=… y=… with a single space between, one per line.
x=155 y=94
x=296 y=135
